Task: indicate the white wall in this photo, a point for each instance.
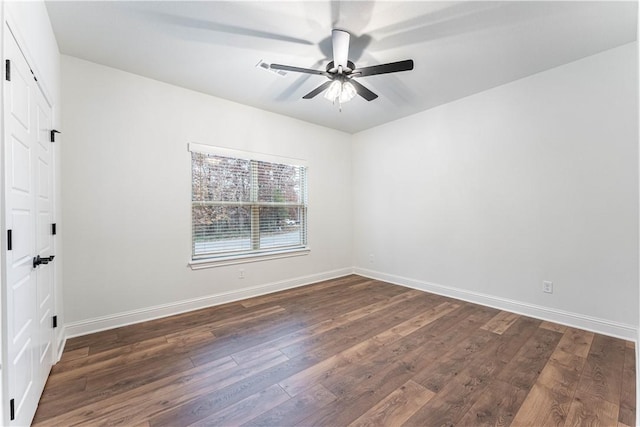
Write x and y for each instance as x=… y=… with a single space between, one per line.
x=492 y=194
x=483 y=197
x=126 y=192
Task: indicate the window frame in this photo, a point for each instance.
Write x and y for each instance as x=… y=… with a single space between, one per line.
x=251 y=255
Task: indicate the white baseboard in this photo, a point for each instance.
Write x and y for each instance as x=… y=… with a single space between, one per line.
x=593 y=324
x=98 y=324
x=601 y=326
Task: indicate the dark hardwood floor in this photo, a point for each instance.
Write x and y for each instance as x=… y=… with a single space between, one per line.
x=350 y=351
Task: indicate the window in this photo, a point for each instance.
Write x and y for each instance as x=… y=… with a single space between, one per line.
x=245 y=205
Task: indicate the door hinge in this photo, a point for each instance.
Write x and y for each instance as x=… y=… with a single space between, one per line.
x=55 y=321
x=9 y=240
x=53 y=229
x=53 y=135
x=7 y=70
x=12 y=409
x=34 y=75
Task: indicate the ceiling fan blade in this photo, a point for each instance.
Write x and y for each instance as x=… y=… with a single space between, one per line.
x=391 y=67
x=340 y=41
x=317 y=90
x=297 y=84
x=298 y=69
x=363 y=91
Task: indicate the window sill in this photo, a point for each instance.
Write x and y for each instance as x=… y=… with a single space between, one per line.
x=242 y=259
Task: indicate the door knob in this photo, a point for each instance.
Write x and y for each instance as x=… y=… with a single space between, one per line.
x=42 y=260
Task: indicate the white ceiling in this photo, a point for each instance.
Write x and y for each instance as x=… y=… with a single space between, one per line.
x=459 y=48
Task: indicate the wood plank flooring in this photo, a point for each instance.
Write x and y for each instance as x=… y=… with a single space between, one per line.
x=345 y=352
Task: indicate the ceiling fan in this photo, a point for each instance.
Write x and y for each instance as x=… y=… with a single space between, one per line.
x=342 y=86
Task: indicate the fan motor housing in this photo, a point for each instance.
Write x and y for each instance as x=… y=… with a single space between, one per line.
x=350 y=67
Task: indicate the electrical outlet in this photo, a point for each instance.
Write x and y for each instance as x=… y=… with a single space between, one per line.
x=371 y=258
x=547 y=287
x=241 y=273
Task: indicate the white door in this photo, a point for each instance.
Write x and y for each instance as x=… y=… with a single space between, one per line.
x=28 y=205
x=43 y=169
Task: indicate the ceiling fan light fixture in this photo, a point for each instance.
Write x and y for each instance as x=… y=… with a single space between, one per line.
x=340 y=91
x=333 y=91
x=348 y=92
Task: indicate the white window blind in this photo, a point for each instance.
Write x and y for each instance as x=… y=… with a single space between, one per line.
x=243 y=205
